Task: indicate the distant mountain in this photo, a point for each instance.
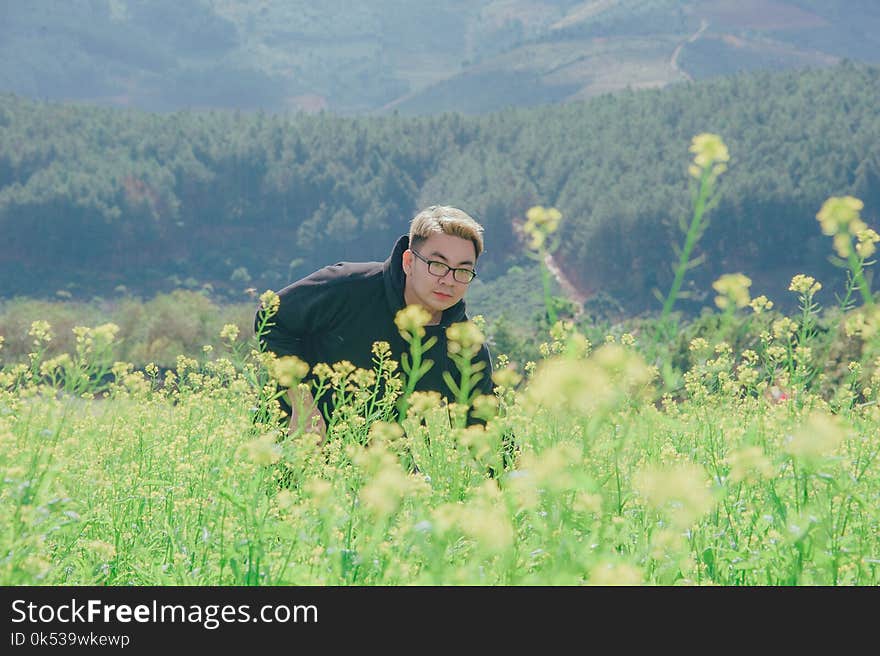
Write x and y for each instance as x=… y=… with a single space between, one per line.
x=410 y=56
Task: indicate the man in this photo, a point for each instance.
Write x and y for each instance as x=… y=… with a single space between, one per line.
x=338 y=312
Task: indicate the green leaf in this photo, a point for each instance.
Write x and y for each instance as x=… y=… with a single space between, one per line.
x=451 y=383
x=695 y=262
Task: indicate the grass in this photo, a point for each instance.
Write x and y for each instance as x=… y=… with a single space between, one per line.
x=743 y=460
x=178 y=487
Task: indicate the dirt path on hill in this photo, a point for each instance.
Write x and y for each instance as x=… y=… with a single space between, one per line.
x=673 y=61
x=568 y=287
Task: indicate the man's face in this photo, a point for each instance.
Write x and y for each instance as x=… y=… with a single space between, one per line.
x=433 y=292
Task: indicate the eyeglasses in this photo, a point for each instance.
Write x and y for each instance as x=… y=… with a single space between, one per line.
x=440 y=269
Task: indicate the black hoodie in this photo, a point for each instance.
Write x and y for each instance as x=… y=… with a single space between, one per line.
x=336 y=313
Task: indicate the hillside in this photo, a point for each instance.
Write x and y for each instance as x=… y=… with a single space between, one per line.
x=92 y=200
x=410 y=56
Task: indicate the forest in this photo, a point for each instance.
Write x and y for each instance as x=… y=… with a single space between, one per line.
x=98 y=200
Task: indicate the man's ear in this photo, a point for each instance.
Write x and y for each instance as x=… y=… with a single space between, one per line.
x=406 y=261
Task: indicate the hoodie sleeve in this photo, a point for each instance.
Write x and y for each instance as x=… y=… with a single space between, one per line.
x=309 y=307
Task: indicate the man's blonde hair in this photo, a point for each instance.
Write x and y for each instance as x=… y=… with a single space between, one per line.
x=446 y=220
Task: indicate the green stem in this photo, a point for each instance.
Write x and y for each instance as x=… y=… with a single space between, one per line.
x=856 y=266
x=545 y=280
x=691 y=239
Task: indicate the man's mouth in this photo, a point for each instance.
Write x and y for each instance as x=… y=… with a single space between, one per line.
x=443 y=295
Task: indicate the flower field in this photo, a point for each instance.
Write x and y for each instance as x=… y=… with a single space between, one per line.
x=600 y=463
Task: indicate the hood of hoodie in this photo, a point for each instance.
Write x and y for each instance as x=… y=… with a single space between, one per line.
x=395 y=283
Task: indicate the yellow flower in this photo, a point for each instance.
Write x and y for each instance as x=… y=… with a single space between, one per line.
x=48 y=367
x=746 y=375
x=748 y=464
x=818 y=436
x=864 y=322
x=843 y=244
x=362 y=379
x=411 y=321
x=270 y=302
x=103 y=550
x=709 y=150
x=698 y=345
x=485 y=520
x=322 y=371
x=286 y=500
x=733 y=289
x=381 y=349
x=383 y=494
x=36 y=566
x=383 y=431
x=562 y=330
x=464 y=338
x=120 y=369
x=760 y=304
x=776 y=353
x=667 y=544
x=421 y=403
x=457 y=412
x=318 y=490
x=866 y=238
x=262 y=451
x=544 y=219
x=624 y=367
x=805 y=285
x=184 y=363
x=837 y=213
x=608 y=376
x=537 y=238
x=229 y=332
x=541 y=223
x=723 y=348
x=803 y=354
x=506 y=377
x=553 y=468
x=105 y=333
x=587 y=503
x=681 y=490
x=609 y=573
x=342 y=371
x=41 y=331
x=288 y=370
x=485 y=407
x=784 y=328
